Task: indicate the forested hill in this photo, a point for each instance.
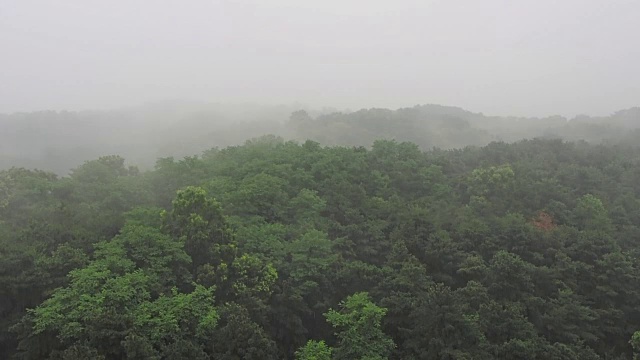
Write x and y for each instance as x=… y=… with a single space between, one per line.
x=59 y=141
x=451 y=127
x=283 y=250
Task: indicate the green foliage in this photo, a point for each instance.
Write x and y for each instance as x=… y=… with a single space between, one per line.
x=311 y=258
x=198 y=221
x=314 y=350
x=590 y=214
x=126 y=293
x=491 y=181
x=358 y=325
x=253 y=278
x=509 y=251
x=635 y=344
x=238 y=337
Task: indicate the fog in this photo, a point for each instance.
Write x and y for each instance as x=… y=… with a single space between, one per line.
x=59 y=141
x=149 y=79
x=524 y=58
x=336 y=179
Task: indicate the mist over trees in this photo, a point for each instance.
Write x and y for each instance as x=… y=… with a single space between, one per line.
x=428 y=232
x=450 y=127
x=154 y=206
x=59 y=141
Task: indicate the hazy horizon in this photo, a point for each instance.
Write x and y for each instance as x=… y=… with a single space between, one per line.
x=191 y=105
x=533 y=58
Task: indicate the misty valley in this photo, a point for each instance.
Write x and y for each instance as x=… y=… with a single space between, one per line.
x=200 y=231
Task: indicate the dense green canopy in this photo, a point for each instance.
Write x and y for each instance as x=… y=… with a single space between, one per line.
x=277 y=249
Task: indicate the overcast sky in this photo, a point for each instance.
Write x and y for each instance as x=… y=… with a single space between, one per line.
x=526 y=57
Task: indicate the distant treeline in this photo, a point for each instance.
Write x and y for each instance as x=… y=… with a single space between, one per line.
x=59 y=141
x=450 y=127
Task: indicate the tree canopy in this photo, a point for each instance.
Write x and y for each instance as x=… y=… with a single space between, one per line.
x=282 y=250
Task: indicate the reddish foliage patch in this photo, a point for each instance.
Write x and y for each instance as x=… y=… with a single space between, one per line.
x=544 y=221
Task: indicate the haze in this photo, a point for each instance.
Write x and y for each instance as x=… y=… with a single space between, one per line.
x=525 y=58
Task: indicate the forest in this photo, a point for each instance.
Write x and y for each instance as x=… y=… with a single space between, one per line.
x=398 y=248
x=319 y=180
x=58 y=141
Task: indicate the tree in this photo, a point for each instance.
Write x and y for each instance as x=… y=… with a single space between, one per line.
x=314 y=350
x=635 y=344
x=358 y=328
x=240 y=338
x=198 y=221
x=590 y=214
x=125 y=300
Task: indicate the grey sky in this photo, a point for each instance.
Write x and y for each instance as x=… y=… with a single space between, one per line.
x=527 y=57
